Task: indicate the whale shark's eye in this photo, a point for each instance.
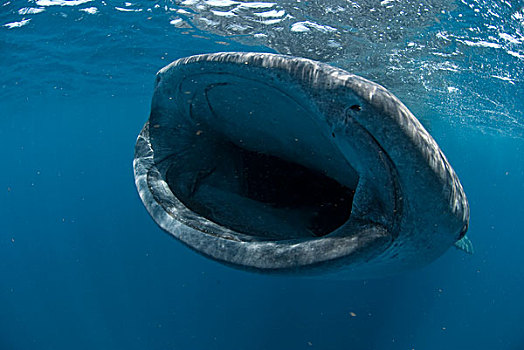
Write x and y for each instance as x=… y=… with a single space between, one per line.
x=464 y=230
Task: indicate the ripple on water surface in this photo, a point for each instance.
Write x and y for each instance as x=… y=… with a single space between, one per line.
x=463 y=60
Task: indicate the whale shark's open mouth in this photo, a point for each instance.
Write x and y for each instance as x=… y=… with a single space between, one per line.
x=258 y=162
x=269 y=162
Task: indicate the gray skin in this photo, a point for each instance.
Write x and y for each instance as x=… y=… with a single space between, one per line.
x=408 y=205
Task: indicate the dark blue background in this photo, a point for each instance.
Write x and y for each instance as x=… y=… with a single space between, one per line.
x=83 y=266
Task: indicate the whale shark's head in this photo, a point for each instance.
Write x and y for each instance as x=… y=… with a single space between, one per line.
x=281 y=164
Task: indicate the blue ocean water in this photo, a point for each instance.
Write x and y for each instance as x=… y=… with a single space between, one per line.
x=84 y=266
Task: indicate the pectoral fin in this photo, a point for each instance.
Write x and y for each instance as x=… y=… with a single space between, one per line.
x=465 y=245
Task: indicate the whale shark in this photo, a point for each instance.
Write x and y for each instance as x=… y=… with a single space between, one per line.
x=279 y=164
